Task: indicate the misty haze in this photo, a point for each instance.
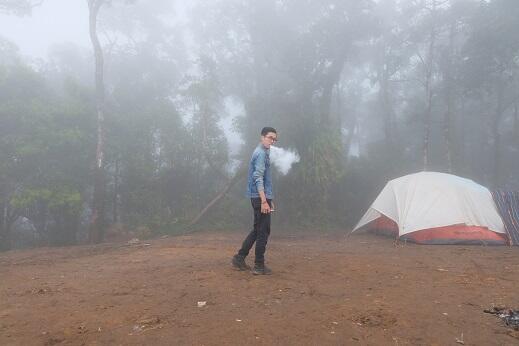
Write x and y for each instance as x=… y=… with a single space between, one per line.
x=273 y=172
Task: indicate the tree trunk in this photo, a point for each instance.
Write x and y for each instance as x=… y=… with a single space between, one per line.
x=39 y=218
x=496 y=176
x=97 y=220
x=426 y=138
x=429 y=93
x=449 y=100
x=7 y=220
x=447 y=136
x=352 y=126
x=345 y=121
x=115 y=197
x=5 y=239
x=461 y=138
x=516 y=121
x=388 y=113
x=385 y=101
x=338 y=104
x=330 y=80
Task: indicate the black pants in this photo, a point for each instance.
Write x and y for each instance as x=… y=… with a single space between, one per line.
x=259 y=234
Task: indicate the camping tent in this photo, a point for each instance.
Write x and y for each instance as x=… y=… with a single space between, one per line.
x=436 y=208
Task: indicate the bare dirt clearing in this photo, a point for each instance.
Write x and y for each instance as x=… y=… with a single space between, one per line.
x=325 y=290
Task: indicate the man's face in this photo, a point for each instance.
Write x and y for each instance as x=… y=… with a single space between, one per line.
x=269 y=139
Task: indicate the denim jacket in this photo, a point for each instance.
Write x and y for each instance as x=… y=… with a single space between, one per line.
x=260 y=174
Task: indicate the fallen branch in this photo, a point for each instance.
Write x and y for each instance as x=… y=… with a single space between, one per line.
x=237 y=176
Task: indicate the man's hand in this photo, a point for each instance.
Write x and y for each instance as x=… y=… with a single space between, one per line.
x=265 y=208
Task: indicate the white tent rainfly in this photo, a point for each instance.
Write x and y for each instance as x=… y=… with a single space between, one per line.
x=436 y=208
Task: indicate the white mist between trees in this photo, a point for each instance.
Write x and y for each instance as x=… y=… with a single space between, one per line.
x=283 y=159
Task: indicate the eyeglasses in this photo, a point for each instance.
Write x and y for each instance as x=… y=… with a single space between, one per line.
x=273 y=139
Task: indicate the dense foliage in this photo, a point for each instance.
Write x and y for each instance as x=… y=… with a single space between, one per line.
x=363 y=90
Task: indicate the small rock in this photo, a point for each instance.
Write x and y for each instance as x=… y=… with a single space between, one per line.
x=149 y=321
x=460 y=341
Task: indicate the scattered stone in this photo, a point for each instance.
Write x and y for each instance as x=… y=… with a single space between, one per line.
x=460 y=340
x=40 y=290
x=149 y=321
x=509 y=316
x=145 y=324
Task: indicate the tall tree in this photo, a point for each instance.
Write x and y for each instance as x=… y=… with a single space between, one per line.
x=426 y=32
x=98 y=213
x=492 y=70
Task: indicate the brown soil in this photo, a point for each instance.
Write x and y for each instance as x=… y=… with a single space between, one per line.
x=327 y=290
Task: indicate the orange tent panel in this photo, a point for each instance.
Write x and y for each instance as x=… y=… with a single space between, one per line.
x=453 y=234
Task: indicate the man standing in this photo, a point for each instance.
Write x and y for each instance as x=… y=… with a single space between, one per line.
x=259 y=190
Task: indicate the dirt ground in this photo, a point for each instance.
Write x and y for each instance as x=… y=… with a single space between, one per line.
x=325 y=290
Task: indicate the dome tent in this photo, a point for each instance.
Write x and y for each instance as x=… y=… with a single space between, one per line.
x=436 y=208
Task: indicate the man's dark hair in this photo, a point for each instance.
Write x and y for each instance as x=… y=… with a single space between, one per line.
x=266 y=130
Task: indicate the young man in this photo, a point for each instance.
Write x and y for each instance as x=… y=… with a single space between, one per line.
x=259 y=190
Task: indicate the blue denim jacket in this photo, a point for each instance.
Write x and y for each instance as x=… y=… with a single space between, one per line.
x=260 y=175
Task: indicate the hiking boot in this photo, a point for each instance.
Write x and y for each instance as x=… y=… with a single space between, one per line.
x=238 y=262
x=261 y=270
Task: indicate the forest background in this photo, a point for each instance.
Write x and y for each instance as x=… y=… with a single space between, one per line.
x=149 y=129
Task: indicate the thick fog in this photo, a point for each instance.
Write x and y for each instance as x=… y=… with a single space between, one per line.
x=151 y=130
x=53 y=22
